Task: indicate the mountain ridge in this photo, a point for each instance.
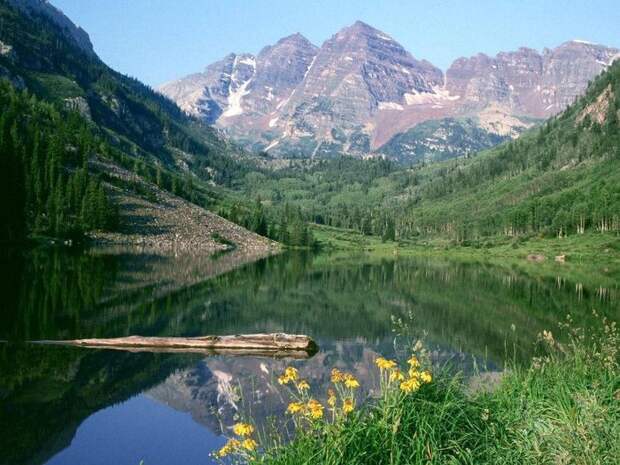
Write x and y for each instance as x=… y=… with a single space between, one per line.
x=362 y=88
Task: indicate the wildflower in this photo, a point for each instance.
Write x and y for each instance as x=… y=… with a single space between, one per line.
x=397 y=375
x=303 y=385
x=283 y=379
x=337 y=376
x=249 y=444
x=291 y=373
x=414 y=362
x=230 y=446
x=485 y=414
x=413 y=373
x=411 y=385
x=351 y=382
x=315 y=409
x=426 y=377
x=385 y=364
x=243 y=429
x=295 y=407
x=331 y=398
x=347 y=406
x=547 y=336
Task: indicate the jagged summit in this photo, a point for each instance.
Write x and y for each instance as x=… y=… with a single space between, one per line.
x=296 y=38
x=361 y=88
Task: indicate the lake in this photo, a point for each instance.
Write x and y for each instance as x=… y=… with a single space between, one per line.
x=62 y=405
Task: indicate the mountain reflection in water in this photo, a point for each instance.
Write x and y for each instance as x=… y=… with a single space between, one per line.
x=60 y=403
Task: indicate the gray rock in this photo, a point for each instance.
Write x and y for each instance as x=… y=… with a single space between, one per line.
x=362 y=88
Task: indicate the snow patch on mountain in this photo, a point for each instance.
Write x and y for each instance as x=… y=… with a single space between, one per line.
x=234 y=100
x=390 y=106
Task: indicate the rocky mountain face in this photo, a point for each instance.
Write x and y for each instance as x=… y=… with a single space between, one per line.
x=527 y=82
x=361 y=89
x=43 y=7
x=437 y=140
x=242 y=90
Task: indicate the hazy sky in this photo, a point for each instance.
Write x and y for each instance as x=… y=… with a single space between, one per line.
x=159 y=40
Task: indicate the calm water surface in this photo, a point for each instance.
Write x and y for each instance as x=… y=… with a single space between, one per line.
x=62 y=405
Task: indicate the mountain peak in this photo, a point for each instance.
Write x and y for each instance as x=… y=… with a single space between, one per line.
x=69 y=29
x=296 y=38
x=582 y=42
x=362 y=28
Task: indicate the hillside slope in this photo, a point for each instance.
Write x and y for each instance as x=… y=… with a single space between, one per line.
x=563 y=178
x=64 y=108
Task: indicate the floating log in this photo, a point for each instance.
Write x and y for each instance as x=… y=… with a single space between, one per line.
x=274 y=345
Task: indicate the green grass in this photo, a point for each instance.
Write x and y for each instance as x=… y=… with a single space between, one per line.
x=591 y=258
x=55 y=86
x=562 y=409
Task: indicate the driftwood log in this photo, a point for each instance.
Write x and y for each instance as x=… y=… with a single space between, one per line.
x=272 y=345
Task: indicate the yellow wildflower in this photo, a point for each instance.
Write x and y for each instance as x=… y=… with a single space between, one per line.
x=347 y=406
x=397 y=375
x=413 y=373
x=351 y=382
x=337 y=376
x=331 y=398
x=295 y=407
x=411 y=385
x=249 y=444
x=385 y=364
x=413 y=362
x=284 y=379
x=243 y=429
x=291 y=373
x=230 y=446
x=426 y=377
x=315 y=409
x=303 y=385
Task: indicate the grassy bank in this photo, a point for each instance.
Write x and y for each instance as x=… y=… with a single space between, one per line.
x=589 y=258
x=562 y=409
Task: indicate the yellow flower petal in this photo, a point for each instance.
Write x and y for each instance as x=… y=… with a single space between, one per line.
x=351 y=382
x=243 y=429
x=291 y=373
x=348 y=406
x=295 y=407
x=337 y=376
x=249 y=444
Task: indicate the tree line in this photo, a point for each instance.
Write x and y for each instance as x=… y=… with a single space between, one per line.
x=45 y=184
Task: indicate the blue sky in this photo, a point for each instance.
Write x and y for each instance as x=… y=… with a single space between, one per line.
x=159 y=40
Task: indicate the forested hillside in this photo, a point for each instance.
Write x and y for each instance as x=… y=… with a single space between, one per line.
x=38 y=56
x=561 y=178
x=61 y=106
x=45 y=183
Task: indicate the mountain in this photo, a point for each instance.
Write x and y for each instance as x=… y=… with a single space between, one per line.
x=242 y=90
x=361 y=88
x=79 y=141
x=560 y=179
x=76 y=34
x=436 y=140
x=527 y=82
